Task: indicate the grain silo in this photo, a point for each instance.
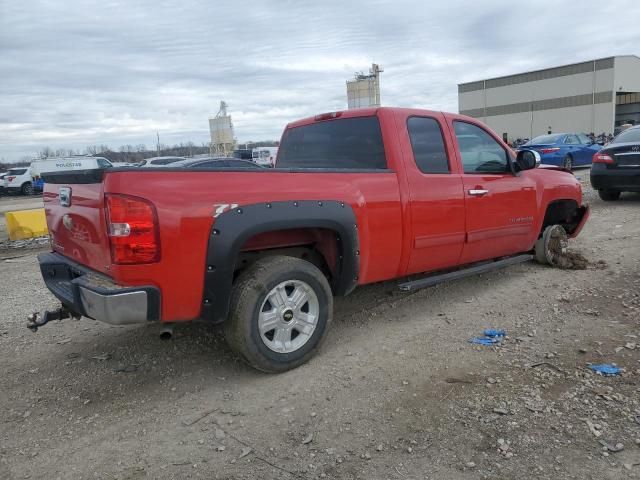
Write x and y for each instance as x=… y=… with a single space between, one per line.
x=364 y=90
x=223 y=141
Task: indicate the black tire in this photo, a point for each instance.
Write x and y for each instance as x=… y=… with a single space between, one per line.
x=247 y=298
x=27 y=188
x=567 y=163
x=609 y=195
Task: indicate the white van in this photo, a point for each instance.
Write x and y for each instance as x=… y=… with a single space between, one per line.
x=49 y=165
x=264 y=156
x=27 y=180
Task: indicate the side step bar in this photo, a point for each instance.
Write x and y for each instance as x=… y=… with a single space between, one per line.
x=430 y=281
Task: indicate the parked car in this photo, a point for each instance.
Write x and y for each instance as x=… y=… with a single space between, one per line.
x=2 y=175
x=214 y=162
x=566 y=150
x=159 y=161
x=616 y=168
x=19 y=180
x=357 y=197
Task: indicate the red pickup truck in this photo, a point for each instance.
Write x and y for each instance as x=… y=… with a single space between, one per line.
x=356 y=197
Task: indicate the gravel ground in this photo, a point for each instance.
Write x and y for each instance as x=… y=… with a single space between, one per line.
x=397 y=391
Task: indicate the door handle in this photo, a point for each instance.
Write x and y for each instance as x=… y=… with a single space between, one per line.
x=478 y=192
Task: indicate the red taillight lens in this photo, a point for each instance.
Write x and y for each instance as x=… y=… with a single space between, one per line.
x=602 y=158
x=10 y=179
x=132 y=226
x=549 y=150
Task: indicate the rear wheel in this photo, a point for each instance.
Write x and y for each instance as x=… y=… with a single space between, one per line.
x=281 y=308
x=609 y=195
x=567 y=163
x=27 y=188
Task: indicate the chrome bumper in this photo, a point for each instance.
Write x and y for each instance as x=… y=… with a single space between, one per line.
x=117 y=308
x=96 y=296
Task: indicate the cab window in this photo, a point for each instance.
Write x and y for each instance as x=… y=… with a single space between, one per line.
x=479 y=151
x=428 y=145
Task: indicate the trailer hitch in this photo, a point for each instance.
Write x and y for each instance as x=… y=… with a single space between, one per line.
x=35 y=320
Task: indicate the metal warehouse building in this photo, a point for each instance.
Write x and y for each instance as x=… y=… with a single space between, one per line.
x=595 y=96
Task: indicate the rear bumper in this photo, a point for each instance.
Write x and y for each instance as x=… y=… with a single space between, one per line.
x=621 y=179
x=96 y=296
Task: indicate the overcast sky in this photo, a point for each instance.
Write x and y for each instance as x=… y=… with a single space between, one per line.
x=77 y=73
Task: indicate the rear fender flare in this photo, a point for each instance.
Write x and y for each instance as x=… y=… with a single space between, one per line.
x=233 y=228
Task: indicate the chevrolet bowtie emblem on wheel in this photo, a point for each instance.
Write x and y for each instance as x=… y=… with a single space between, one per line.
x=64 y=196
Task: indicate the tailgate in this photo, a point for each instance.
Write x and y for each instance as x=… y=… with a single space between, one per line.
x=74 y=207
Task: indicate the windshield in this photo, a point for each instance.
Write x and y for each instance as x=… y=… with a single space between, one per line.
x=544 y=140
x=631 y=135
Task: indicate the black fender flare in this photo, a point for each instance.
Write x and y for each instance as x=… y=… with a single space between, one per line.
x=234 y=227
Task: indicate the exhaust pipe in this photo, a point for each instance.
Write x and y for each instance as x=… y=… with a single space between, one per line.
x=166 y=332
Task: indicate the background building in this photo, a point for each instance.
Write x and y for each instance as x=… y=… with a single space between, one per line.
x=594 y=96
x=364 y=90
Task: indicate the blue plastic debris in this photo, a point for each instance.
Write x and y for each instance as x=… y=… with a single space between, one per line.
x=606 y=369
x=484 y=340
x=491 y=332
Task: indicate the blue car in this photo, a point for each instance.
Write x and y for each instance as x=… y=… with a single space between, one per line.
x=566 y=150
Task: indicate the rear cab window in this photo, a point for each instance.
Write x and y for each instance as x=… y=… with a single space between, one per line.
x=347 y=143
x=427 y=143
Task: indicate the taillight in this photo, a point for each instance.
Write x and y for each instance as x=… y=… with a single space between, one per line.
x=549 y=150
x=132 y=225
x=10 y=179
x=602 y=158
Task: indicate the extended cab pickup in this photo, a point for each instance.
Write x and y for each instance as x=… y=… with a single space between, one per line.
x=356 y=197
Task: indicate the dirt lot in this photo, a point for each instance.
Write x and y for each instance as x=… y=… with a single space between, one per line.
x=397 y=391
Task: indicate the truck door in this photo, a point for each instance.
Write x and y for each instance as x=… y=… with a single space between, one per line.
x=500 y=206
x=436 y=199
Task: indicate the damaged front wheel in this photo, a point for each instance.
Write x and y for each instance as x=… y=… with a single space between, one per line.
x=552 y=248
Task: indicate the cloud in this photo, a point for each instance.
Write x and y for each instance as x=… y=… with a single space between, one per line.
x=83 y=72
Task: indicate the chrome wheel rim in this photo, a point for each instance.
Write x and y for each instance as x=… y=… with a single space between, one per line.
x=288 y=316
x=568 y=164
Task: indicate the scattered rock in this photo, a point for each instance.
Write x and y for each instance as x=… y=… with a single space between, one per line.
x=501 y=411
x=219 y=434
x=470 y=465
x=306 y=440
x=245 y=451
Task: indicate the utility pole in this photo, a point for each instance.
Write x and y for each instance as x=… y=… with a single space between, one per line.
x=158 y=142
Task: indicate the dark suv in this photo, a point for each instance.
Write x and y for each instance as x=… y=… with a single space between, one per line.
x=616 y=168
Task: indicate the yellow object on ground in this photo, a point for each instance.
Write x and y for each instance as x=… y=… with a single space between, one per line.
x=23 y=224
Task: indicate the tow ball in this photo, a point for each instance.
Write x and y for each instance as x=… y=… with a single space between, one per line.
x=35 y=320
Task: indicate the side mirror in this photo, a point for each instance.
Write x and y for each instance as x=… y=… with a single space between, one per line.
x=527 y=159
